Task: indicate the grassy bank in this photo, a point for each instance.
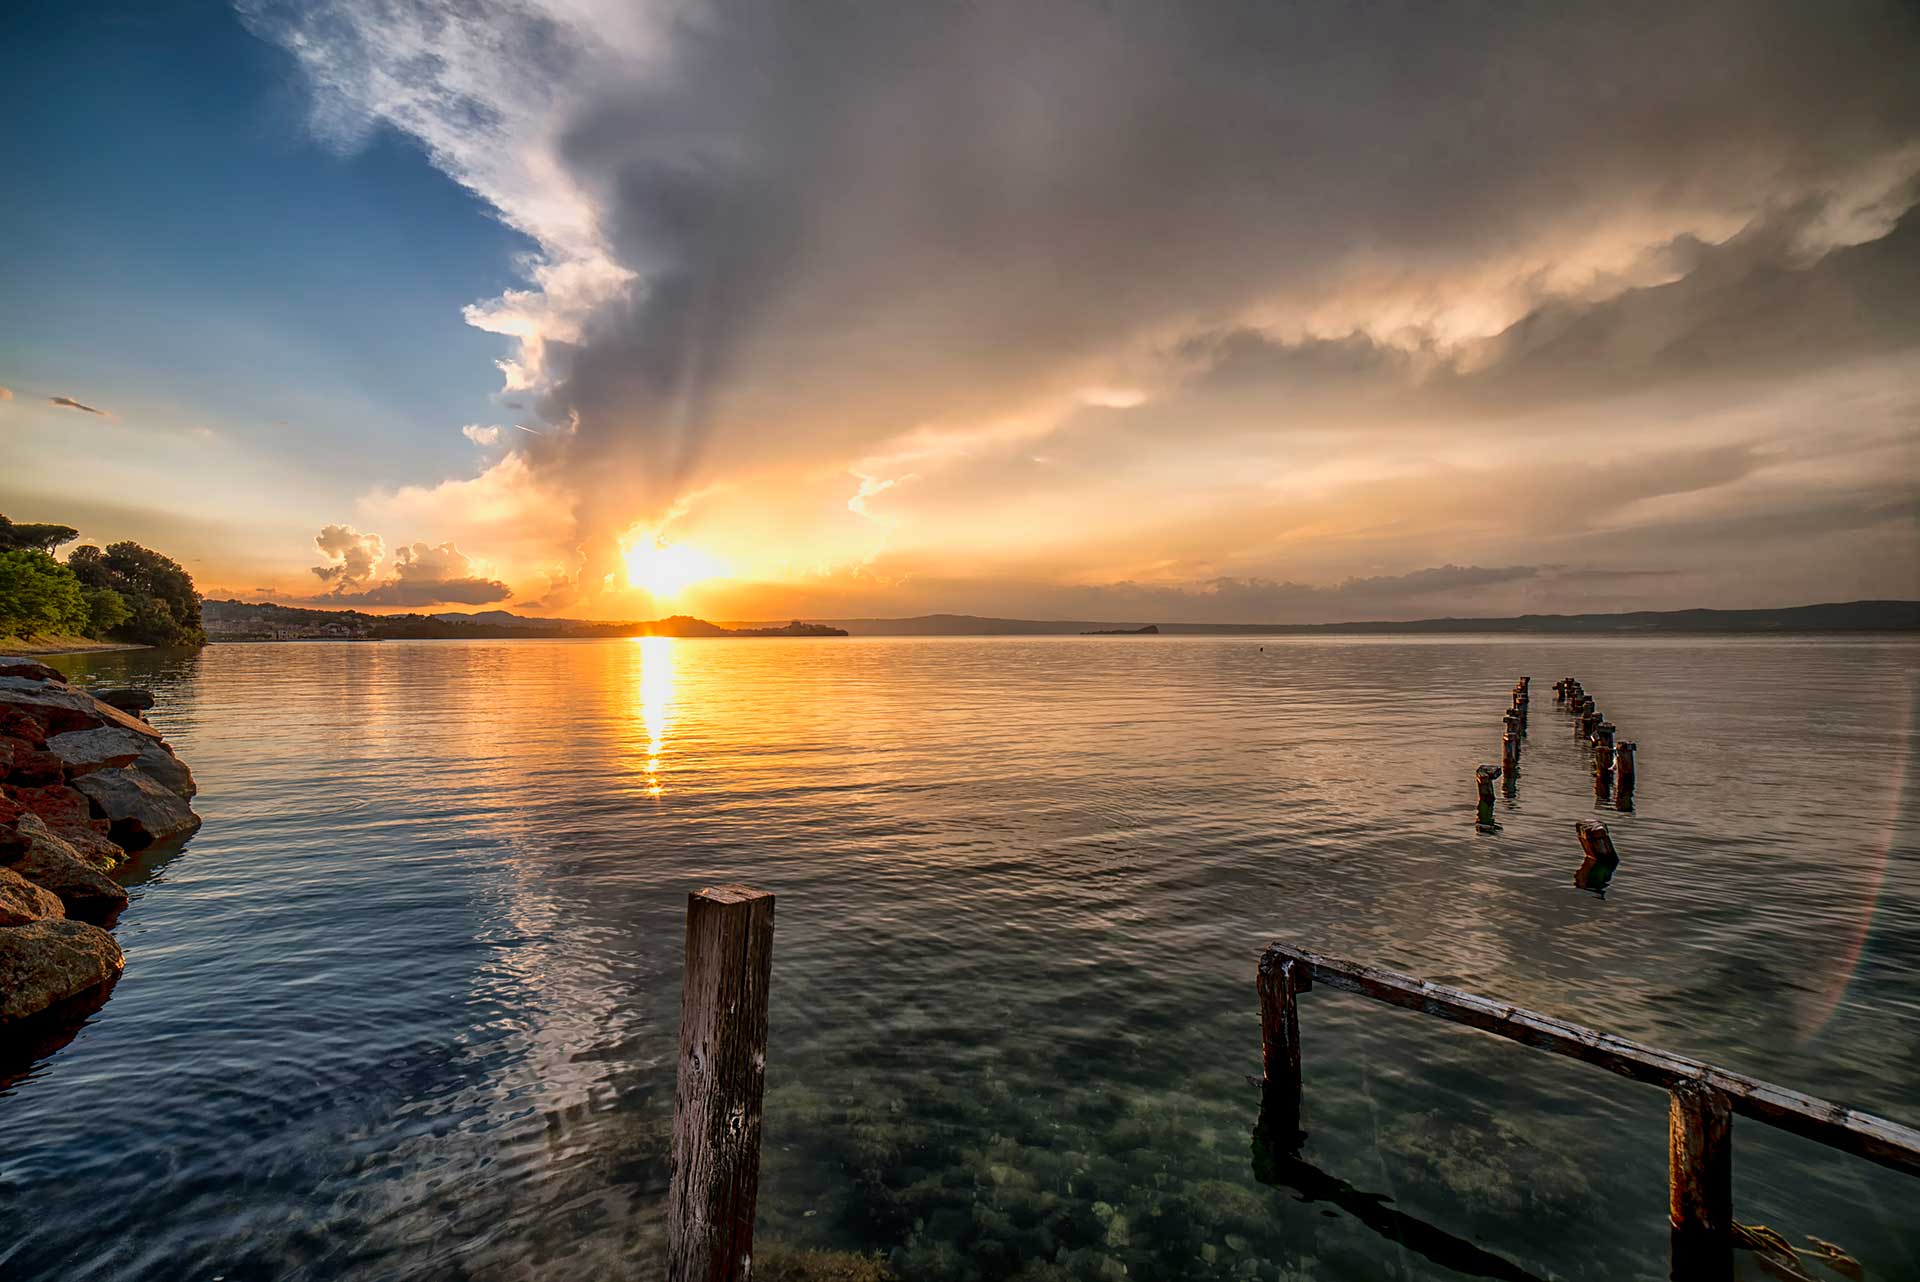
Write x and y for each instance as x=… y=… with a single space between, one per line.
x=53 y=643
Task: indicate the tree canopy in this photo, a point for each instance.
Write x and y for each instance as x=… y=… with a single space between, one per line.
x=39 y=538
x=162 y=605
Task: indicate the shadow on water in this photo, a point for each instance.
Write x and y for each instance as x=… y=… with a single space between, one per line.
x=28 y=1045
x=1279 y=1166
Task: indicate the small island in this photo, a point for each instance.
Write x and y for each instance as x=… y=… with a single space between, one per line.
x=1151 y=630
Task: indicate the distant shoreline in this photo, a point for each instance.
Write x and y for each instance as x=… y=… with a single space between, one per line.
x=39 y=646
x=238 y=621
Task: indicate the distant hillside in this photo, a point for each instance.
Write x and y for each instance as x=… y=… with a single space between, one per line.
x=1850 y=616
x=242 y=621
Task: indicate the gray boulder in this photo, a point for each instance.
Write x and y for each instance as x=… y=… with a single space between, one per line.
x=140 y=810
x=44 y=963
x=21 y=901
x=83 y=751
x=30 y=670
x=158 y=763
x=52 y=863
x=63 y=708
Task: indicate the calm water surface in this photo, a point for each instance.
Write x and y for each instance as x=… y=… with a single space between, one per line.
x=406 y=1008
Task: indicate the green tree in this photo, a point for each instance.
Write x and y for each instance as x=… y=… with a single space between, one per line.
x=106 y=610
x=42 y=538
x=158 y=592
x=38 y=594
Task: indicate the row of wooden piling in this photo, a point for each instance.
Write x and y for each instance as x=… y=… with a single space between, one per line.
x=1613 y=758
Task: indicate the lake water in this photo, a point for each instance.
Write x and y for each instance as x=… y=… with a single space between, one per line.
x=407 y=1006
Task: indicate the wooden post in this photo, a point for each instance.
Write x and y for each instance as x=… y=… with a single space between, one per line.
x=1700 y=1175
x=1280 y=982
x=1603 y=747
x=723 y=1055
x=1623 y=761
x=1483 y=780
x=1595 y=841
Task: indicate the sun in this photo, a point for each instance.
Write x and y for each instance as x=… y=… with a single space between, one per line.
x=664 y=570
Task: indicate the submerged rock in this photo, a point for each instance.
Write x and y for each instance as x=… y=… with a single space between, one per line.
x=140 y=811
x=47 y=962
x=21 y=901
x=54 y=864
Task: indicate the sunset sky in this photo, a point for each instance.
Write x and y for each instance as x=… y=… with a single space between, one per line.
x=1130 y=311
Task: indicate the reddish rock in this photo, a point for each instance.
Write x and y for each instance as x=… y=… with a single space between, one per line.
x=18 y=723
x=53 y=864
x=21 y=901
x=94 y=847
x=32 y=766
x=56 y=803
x=47 y=963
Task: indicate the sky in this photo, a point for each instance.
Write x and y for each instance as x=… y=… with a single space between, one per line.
x=1234 y=312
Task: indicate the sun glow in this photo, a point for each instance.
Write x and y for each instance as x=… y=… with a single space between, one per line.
x=664 y=570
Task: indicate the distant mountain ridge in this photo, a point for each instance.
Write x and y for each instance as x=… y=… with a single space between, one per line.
x=237 y=620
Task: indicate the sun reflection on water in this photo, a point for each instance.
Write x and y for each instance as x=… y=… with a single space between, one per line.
x=656 y=699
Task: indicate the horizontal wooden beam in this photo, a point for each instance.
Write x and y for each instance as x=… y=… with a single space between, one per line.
x=1849 y=1130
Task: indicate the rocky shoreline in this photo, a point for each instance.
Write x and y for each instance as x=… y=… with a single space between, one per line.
x=84 y=783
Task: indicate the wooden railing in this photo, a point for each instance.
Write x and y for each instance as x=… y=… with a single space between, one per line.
x=1703 y=1097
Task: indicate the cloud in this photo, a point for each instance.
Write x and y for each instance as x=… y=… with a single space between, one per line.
x=1211 y=249
x=6 y=393
x=67 y=402
x=353 y=556
x=422 y=573
x=480 y=435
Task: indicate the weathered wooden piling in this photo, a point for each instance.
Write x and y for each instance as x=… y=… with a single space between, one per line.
x=1483 y=778
x=1596 y=841
x=1603 y=748
x=1700 y=1170
x=1279 y=983
x=723 y=1055
x=1623 y=775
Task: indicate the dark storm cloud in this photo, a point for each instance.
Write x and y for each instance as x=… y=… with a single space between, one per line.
x=849 y=218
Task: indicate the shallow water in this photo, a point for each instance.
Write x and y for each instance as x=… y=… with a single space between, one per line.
x=406 y=1007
